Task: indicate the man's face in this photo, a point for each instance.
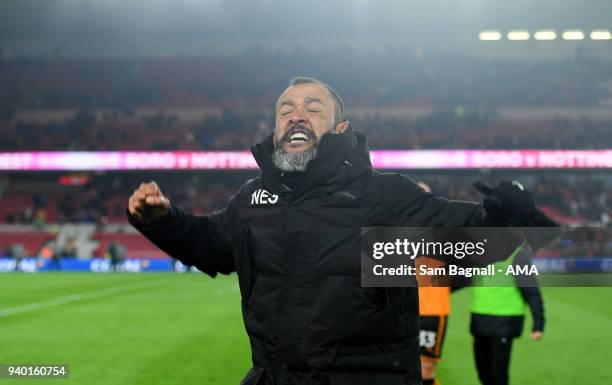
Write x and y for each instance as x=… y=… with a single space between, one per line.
x=304 y=113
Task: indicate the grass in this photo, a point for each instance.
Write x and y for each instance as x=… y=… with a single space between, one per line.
x=187 y=329
x=574 y=349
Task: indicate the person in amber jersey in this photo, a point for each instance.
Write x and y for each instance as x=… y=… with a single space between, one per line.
x=434 y=309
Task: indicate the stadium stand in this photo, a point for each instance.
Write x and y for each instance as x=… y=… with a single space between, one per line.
x=31 y=239
x=237 y=131
x=251 y=79
x=226 y=103
x=136 y=245
x=571 y=198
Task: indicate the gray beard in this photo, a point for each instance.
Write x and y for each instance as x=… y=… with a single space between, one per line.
x=293 y=161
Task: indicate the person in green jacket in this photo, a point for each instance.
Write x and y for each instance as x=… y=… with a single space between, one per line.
x=498 y=313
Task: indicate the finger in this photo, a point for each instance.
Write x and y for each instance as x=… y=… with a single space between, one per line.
x=138 y=201
x=134 y=209
x=131 y=205
x=140 y=195
x=165 y=202
x=137 y=207
x=483 y=187
x=154 y=200
x=152 y=188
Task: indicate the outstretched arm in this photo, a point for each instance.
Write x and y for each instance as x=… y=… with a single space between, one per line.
x=201 y=241
x=409 y=205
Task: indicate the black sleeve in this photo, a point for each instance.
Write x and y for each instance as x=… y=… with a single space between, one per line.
x=410 y=206
x=201 y=241
x=530 y=290
x=533 y=298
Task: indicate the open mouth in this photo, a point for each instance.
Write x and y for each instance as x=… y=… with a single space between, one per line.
x=298 y=137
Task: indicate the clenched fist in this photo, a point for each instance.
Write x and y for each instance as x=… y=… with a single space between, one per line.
x=148 y=204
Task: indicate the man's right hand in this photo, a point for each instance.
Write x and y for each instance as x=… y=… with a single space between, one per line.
x=148 y=204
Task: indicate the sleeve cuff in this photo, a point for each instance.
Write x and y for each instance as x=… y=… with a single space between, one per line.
x=165 y=221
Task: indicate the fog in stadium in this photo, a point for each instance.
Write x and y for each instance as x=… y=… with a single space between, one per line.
x=97 y=97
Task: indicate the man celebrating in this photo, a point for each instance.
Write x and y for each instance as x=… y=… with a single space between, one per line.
x=293 y=237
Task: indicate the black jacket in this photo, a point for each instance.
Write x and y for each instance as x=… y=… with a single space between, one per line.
x=294 y=240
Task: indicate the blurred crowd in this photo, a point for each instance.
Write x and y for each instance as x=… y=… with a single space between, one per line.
x=458 y=128
x=394 y=78
x=99 y=104
x=582 y=199
x=105 y=99
x=579 y=197
x=103 y=199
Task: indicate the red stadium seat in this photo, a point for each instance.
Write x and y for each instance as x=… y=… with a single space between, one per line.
x=135 y=244
x=31 y=240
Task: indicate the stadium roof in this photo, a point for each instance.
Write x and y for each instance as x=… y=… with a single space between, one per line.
x=215 y=23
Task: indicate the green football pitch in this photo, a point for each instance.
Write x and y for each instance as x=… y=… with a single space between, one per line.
x=187 y=329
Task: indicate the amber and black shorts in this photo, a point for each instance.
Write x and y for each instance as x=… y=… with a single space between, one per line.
x=431 y=336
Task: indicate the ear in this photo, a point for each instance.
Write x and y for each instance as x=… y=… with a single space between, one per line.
x=342 y=127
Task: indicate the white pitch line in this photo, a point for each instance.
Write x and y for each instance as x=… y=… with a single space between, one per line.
x=75 y=297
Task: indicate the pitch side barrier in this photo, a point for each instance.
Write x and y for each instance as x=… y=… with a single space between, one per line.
x=426 y=256
x=94 y=265
x=570 y=271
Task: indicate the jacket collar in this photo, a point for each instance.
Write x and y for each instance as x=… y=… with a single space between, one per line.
x=340 y=158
